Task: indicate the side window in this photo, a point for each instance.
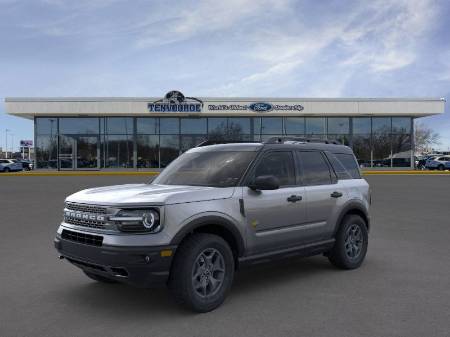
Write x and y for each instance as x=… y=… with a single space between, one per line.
x=314 y=168
x=350 y=164
x=278 y=164
x=338 y=167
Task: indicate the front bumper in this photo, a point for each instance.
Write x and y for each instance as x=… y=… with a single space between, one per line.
x=138 y=266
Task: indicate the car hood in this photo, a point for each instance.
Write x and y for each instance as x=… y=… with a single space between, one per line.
x=144 y=194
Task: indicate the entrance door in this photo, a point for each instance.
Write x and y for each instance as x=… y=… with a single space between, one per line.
x=79 y=152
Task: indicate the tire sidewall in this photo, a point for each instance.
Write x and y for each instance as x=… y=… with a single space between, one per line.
x=340 y=242
x=195 y=301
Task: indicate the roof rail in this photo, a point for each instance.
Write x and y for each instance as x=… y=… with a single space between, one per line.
x=216 y=142
x=283 y=139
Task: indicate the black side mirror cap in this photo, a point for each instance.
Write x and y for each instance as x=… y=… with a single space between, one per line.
x=267 y=182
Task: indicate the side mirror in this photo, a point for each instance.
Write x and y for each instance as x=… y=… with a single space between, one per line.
x=265 y=183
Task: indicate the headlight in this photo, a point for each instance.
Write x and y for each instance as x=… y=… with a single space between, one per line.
x=137 y=220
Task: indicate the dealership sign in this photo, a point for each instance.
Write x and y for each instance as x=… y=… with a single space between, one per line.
x=175 y=101
x=26 y=143
x=256 y=107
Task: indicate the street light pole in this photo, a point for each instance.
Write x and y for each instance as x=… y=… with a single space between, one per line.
x=6 y=143
x=12 y=144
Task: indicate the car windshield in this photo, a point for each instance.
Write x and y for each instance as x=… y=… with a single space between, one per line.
x=215 y=169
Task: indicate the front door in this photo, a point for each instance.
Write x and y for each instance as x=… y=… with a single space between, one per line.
x=79 y=152
x=275 y=217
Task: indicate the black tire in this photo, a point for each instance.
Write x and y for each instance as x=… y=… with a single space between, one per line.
x=345 y=255
x=183 y=273
x=441 y=167
x=6 y=169
x=99 y=278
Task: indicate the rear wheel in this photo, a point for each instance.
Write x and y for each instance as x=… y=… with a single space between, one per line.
x=99 y=278
x=6 y=169
x=441 y=167
x=202 y=272
x=350 y=247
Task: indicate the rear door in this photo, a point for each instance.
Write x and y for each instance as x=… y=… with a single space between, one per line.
x=323 y=192
x=275 y=217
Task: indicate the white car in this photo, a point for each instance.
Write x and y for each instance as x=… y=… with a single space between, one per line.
x=438 y=163
x=10 y=165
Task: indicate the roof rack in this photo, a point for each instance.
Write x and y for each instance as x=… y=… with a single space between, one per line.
x=216 y=142
x=301 y=140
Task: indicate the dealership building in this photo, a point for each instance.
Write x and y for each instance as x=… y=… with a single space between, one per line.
x=149 y=132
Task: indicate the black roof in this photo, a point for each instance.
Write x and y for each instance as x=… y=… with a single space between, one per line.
x=277 y=143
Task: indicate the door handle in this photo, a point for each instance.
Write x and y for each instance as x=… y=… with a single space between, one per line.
x=336 y=194
x=294 y=198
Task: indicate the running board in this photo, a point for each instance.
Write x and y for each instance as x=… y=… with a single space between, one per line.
x=309 y=249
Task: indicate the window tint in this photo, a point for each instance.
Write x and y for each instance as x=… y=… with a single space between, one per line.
x=278 y=164
x=350 y=164
x=340 y=170
x=315 y=169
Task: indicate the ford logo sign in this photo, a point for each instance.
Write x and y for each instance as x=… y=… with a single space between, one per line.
x=261 y=107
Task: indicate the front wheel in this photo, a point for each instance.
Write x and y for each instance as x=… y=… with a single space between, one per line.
x=202 y=272
x=441 y=167
x=351 y=243
x=6 y=169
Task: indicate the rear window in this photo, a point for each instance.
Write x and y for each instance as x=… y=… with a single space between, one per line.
x=350 y=164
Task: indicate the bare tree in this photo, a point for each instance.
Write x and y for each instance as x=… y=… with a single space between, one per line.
x=425 y=138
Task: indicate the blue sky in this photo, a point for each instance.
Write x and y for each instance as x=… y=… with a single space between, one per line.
x=224 y=48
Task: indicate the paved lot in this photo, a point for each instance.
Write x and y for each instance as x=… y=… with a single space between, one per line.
x=403 y=289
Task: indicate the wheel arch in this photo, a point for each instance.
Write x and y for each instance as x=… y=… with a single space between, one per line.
x=354 y=208
x=217 y=225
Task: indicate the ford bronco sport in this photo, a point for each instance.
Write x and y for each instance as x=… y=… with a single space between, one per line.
x=216 y=208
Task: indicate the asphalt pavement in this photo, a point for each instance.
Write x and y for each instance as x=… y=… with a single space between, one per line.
x=402 y=289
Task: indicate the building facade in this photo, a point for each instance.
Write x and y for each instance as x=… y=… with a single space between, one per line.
x=148 y=133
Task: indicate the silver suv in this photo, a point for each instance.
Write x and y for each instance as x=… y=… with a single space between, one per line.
x=217 y=208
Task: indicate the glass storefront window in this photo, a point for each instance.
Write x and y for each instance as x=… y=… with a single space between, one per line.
x=294 y=126
x=362 y=125
x=362 y=149
x=272 y=126
x=343 y=139
x=401 y=125
x=338 y=125
x=46 y=151
x=401 y=150
x=315 y=125
x=381 y=124
x=239 y=125
x=147 y=125
x=190 y=141
x=46 y=126
x=169 y=149
x=119 y=125
x=147 y=151
x=118 y=151
x=193 y=125
x=381 y=148
x=83 y=125
x=217 y=128
x=169 y=125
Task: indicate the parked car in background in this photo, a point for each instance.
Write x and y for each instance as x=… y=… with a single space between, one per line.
x=10 y=165
x=26 y=164
x=437 y=163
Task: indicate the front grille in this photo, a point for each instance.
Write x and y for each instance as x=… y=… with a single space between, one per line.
x=85 y=208
x=85 y=223
x=87 y=239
